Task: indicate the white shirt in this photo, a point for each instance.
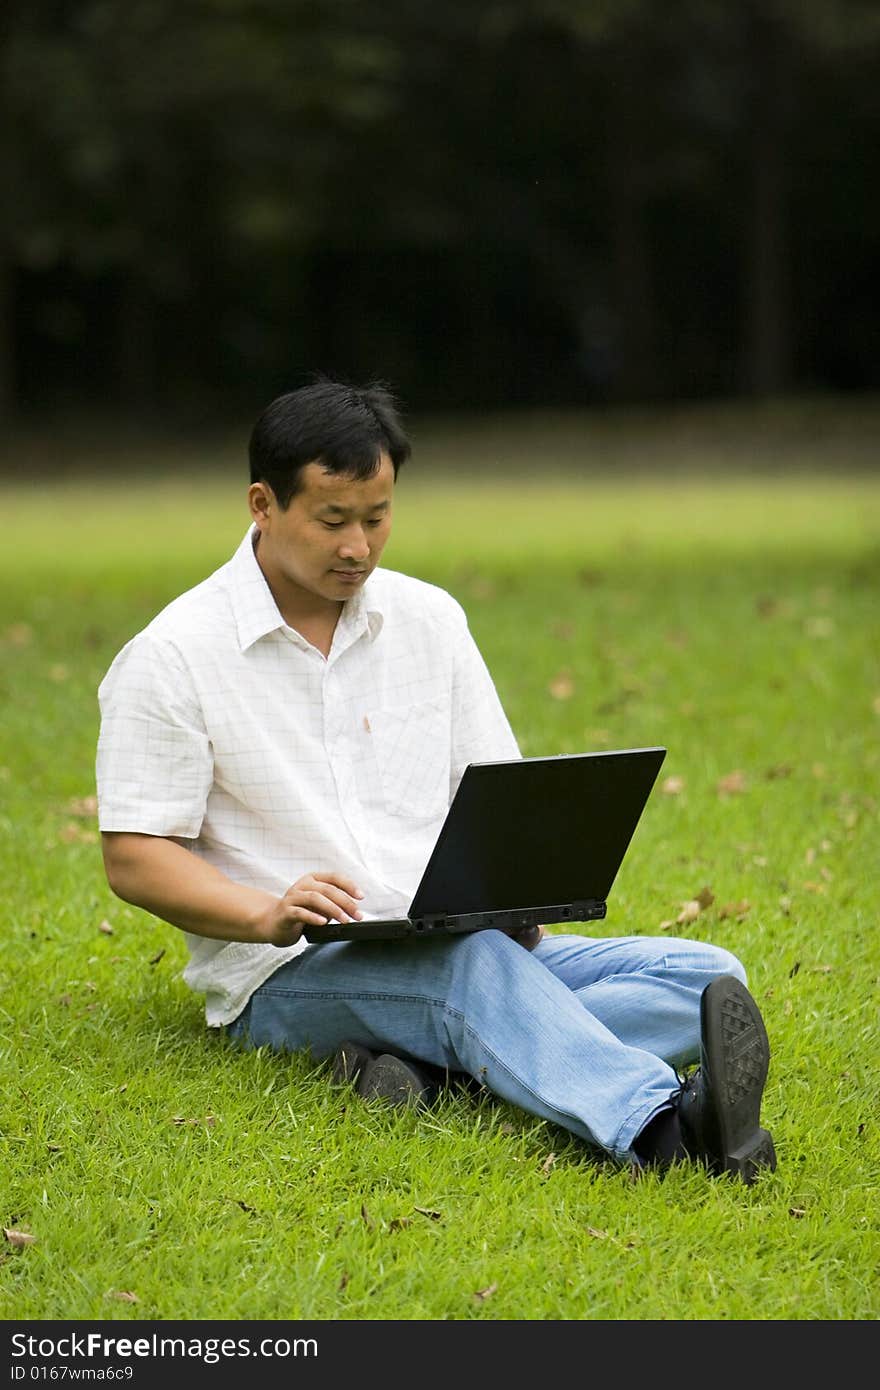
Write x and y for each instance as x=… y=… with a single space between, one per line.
x=224 y=727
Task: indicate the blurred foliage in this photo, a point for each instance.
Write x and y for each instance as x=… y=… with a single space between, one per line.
x=524 y=201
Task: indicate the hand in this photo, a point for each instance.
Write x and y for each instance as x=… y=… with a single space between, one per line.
x=314 y=899
x=527 y=936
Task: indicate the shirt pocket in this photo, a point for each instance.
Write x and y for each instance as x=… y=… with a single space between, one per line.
x=412 y=747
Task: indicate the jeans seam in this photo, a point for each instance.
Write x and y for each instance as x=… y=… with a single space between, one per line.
x=394 y=998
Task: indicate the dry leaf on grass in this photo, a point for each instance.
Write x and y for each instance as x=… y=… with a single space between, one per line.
x=73 y=834
x=562 y=686
x=672 y=786
x=431 y=1214
x=691 y=909
x=366 y=1217
x=105 y=927
x=124 y=1296
x=732 y=784
x=689 y=913
x=18 y=1239
x=548 y=1164
x=766 y=605
x=483 y=1294
x=735 y=909
x=694 y=906
x=83 y=806
x=482 y=587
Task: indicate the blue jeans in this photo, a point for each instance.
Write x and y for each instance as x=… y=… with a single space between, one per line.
x=587 y=1033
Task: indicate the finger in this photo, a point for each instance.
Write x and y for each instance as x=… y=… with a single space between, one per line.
x=295 y=917
x=340 y=899
x=315 y=902
x=337 y=881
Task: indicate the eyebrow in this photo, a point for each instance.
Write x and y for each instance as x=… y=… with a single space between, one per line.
x=343 y=511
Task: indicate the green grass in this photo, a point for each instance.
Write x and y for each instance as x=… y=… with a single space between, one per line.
x=732 y=618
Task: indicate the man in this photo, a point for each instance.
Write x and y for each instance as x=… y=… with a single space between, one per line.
x=279 y=747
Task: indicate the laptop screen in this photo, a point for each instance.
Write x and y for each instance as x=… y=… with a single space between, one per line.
x=535 y=831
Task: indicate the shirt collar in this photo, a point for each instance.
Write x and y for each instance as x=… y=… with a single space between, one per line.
x=257 y=614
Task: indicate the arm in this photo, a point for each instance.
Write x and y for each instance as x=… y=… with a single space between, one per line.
x=162 y=877
x=154 y=771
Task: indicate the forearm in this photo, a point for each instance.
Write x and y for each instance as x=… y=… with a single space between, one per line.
x=164 y=878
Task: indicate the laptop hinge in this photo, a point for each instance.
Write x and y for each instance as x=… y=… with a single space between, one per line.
x=513 y=919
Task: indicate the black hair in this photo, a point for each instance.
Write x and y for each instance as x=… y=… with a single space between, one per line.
x=343 y=428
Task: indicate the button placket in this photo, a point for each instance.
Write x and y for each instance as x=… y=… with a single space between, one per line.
x=337 y=746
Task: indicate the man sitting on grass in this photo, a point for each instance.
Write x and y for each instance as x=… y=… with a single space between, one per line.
x=255 y=776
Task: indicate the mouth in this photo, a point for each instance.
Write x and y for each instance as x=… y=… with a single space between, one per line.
x=349 y=576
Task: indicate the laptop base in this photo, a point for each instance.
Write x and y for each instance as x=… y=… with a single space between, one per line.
x=508 y=920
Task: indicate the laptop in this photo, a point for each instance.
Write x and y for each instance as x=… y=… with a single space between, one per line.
x=529 y=842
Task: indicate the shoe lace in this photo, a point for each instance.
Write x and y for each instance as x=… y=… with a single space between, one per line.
x=687 y=1081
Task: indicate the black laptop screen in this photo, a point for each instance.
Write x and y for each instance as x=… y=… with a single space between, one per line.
x=537 y=831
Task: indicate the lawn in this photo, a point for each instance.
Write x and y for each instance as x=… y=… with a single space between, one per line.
x=151 y=1172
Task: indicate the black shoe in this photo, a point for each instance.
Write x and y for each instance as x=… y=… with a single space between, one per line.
x=349 y=1061
x=394 y=1079
x=719 y=1106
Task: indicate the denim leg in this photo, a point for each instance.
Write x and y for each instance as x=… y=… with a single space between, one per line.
x=645 y=989
x=483 y=1005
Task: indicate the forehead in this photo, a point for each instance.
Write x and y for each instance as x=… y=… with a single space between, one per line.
x=321 y=488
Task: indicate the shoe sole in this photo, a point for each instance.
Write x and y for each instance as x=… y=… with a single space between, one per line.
x=391 y=1079
x=738 y=1060
x=349 y=1060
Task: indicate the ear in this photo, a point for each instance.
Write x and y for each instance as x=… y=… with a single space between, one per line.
x=261 y=501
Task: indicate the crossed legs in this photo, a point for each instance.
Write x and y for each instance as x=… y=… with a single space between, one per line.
x=587 y=1033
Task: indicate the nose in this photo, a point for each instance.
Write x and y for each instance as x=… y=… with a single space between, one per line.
x=354 y=545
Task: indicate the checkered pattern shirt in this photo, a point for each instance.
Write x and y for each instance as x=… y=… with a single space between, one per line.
x=224 y=728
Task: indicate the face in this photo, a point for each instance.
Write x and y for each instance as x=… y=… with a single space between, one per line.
x=329 y=540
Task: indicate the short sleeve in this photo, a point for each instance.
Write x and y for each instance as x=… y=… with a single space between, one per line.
x=154 y=766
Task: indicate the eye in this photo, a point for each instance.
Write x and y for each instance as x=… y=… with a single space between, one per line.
x=333 y=525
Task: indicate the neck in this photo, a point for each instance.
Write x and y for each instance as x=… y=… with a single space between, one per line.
x=309 y=614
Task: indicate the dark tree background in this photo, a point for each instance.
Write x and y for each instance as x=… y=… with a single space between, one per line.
x=508 y=202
